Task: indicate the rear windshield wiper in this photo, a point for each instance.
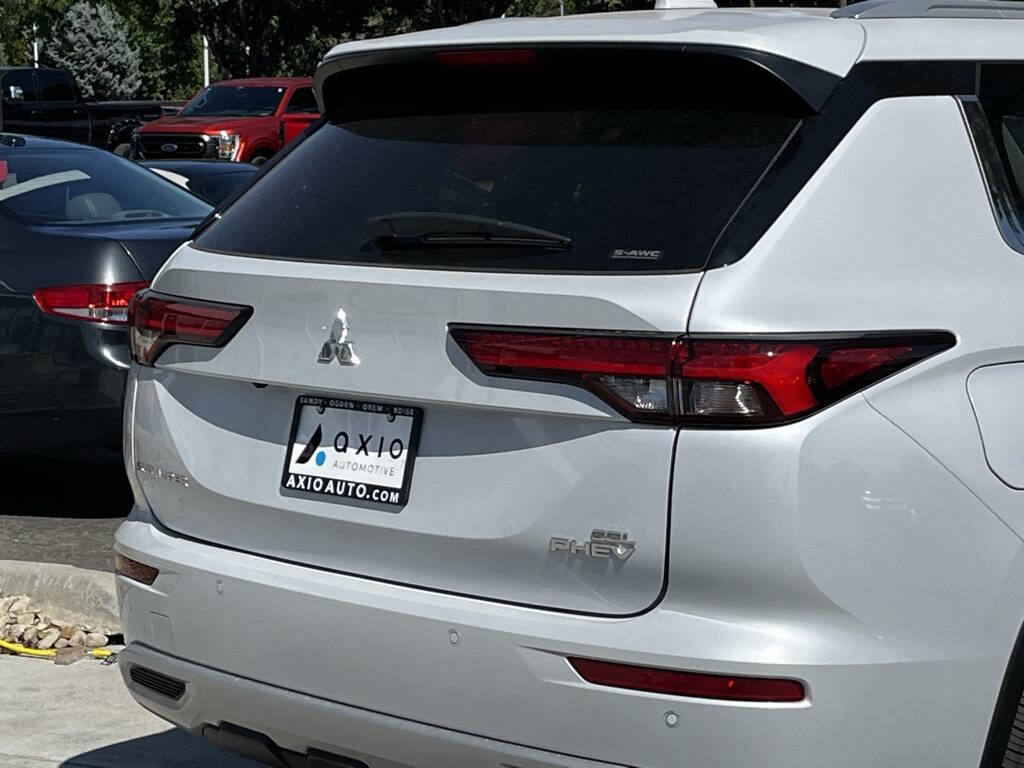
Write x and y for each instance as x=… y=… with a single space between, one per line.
x=436 y=229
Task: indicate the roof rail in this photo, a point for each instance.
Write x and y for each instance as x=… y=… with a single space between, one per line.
x=665 y=5
x=944 y=9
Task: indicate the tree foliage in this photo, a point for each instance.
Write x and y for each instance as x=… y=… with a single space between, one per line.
x=257 y=37
x=92 y=41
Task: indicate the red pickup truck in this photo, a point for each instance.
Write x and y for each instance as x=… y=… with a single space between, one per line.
x=247 y=121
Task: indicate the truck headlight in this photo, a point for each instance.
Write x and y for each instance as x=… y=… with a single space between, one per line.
x=227 y=145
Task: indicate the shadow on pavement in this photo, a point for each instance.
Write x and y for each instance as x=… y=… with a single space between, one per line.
x=42 y=487
x=61 y=511
x=170 y=749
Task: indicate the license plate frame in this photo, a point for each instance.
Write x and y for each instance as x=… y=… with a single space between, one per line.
x=354 y=490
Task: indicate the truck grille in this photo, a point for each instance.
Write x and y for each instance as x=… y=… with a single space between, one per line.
x=156 y=146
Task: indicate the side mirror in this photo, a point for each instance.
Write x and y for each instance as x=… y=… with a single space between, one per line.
x=15 y=93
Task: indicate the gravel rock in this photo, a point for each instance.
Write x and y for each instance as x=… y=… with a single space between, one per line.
x=48 y=639
x=21 y=622
x=20 y=605
x=95 y=640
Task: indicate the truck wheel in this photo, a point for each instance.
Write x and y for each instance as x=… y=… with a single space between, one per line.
x=259 y=159
x=123 y=150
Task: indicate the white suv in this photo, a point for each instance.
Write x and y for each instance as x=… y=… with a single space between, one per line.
x=639 y=389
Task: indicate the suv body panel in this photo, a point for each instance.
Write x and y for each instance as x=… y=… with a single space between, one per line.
x=867 y=551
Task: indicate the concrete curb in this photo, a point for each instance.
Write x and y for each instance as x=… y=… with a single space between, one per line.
x=65 y=592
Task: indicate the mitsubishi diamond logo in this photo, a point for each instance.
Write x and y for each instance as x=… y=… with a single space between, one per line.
x=168 y=147
x=338 y=347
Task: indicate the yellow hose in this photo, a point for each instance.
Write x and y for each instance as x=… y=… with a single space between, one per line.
x=96 y=653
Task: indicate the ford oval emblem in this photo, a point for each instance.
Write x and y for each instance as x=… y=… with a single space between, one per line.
x=168 y=147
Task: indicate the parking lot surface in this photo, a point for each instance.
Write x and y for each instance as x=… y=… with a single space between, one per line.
x=81 y=716
x=61 y=512
x=78 y=716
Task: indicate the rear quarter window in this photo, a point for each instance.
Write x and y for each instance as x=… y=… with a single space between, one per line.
x=638 y=158
x=1001 y=93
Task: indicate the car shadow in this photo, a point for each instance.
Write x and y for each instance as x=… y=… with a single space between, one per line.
x=46 y=487
x=173 y=748
x=59 y=511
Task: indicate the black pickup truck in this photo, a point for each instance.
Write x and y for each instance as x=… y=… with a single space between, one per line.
x=47 y=102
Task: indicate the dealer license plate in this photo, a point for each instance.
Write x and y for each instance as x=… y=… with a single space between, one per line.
x=351 y=449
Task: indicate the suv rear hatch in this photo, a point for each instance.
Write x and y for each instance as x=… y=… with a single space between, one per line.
x=454 y=193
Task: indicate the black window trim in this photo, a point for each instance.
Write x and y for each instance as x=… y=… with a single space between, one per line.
x=866 y=84
x=1004 y=204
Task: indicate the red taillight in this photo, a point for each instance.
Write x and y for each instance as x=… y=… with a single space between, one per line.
x=484 y=57
x=628 y=371
x=157 y=321
x=695 y=684
x=95 y=303
x=700 y=381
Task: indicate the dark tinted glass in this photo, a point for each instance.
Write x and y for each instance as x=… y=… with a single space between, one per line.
x=235 y=101
x=215 y=188
x=23 y=79
x=303 y=101
x=75 y=187
x=640 y=172
x=55 y=86
x=1002 y=97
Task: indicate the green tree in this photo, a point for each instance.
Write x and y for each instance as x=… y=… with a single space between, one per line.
x=91 y=41
x=16 y=20
x=272 y=37
x=169 y=46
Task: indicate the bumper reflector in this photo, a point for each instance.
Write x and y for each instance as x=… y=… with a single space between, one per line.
x=697 y=685
x=134 y=570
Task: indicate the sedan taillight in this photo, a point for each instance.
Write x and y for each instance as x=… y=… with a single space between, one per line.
x=102 y=303
x=156 y=321
x=695 y=381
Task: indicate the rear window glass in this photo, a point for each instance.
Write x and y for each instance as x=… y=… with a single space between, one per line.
x=75 y=188
x=636 y=160
x=55 y=86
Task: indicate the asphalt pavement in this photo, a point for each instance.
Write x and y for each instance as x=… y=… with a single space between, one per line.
x=61 y=512
x=77 y=716
x=81 y=716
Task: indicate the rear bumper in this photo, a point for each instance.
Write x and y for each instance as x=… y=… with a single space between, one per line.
x=280 y=714
x=318 y=660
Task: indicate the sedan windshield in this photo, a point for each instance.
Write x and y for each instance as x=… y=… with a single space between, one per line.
x=234 y=101
x=77 y=187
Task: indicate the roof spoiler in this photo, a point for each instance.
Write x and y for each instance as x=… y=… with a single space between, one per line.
x=811 y=84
